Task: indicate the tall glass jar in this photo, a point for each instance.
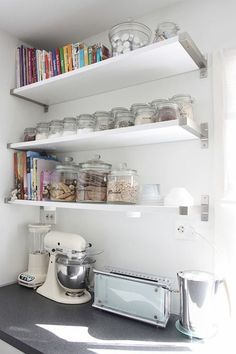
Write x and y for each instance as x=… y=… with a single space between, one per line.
x=135 y=106
x=42 y=131
x=144 y=115
x=64 y=182
x=104 y=120
x=55 y=128
x=166 y=30
x=185 y=103
x=92 y=181
x=69 y=126
x=156 y=103
x=123 y=186
x=85 y=123
x=116 y=110
x=29 y=134
x=124 y=119
x=168 y=111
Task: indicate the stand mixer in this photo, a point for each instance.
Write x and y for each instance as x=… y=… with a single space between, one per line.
x=70 y=269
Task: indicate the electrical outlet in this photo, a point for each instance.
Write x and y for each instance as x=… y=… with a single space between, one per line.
x=48 y=216
x=184 y=231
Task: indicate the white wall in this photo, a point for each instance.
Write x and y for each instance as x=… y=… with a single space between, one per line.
x=15 y=115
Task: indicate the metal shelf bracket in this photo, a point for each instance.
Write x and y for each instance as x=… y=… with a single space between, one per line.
x=46 y=107
x=204 y=207
x=204 y=135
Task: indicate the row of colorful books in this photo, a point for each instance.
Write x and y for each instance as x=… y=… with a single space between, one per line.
x=32 y=174
x=33 y=65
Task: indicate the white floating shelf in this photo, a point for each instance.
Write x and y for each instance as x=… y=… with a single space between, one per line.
x=169 y=131
x=174 y=56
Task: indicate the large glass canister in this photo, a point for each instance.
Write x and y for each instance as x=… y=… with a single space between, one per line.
x=116 y=110
x=144 y=115
x=55 y=128
x=168 y=111
x=155 y=103
x=42 y=131
x=37 y=233
x=104 y=120
x=64 y=182
x=135 y=106
x=92 y=181
x=166 y=30
x=69 y=126
x=29 y=134
x=185 y=103
x=123 y=186
x=124 y=119
x=85 y=123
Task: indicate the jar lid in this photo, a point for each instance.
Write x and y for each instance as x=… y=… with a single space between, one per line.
x=30 y=129
x=158 y=101
x=69 y=120
x=102 y=114
x=86 y=117
x=56 y=122
x=145 y=110
x=124 y=114
x=95 y=164
x=115 y=110
x=67 y=165
x=168 y=25
x=123 y=171
x=183 y=97
x=43 y=125
x=168 y=105
x=39 y=227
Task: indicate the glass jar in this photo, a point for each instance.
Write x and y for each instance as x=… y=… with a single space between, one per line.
x=123 y=187
x=168 y=111
x=104 y=120
x=155 y=104
x=135 y=106
x=115 y=110
x=92 y=181
x=124 y=119
x=185 y=103
x=144 y=115
x=42 y=131
x=55 y=129
x=64 y=182
x=69 y=126
x=166 y=30
x=29 y=134
x=85 y=123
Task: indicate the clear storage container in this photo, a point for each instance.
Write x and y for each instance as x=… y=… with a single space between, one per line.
x=116 y=110
x=104 y=120
x=128 y=36
x=135 y=106
x=155 y=104
x=69 y=126
x=85 y=123
x=166 y=30
x=92 y=181
x=185 y=103
x=55 y=129
x=124 y=119
x=29 y=134
x=168 y=111
x=123 y=186
x=64 y=182
x=42 y=131
x=144 y=115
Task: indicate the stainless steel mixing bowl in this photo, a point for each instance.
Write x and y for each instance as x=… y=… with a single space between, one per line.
x=74 y=275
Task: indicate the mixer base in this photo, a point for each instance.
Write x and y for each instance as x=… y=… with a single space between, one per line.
x=197 y=334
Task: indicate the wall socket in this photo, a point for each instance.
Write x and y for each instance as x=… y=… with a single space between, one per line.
x=184 y=231
x=48 y=216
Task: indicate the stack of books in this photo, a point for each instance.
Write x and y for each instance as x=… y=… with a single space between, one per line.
x=33 y=65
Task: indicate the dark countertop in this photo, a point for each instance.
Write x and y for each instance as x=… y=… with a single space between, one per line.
x=35 y=324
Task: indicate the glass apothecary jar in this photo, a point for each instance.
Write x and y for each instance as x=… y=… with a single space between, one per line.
x=124 y=119
x=85 y=123
x=135 y=106
x=168 y=111
x=92 y=181
x=116 y=110
x=123 y=186
x=185 y=103
x=104 y=120
x=55 y=128
x=29 y=134
x=69 y=126
x=42 y=131
x=166 y=30
x=64 y=182
x=144 y=115
x=155 y=103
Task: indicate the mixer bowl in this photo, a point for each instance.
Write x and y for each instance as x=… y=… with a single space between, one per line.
x=74 y=275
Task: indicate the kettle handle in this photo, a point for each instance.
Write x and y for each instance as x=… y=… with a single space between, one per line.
x=225 y=284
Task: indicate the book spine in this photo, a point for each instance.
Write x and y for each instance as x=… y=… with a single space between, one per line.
x=43 y=65
x=85 y=55
x=21 y=67
x=20 y=181
x=98 y=54
x=34 y=65
x=69 y=51
x=58 y=62
x=94 y=53
x=81 y=55
x=24 y=67
x=50 y=64
x=34 y=179
x=54 y=62
x=65 y=58
x=62 y=60
x=18 y=67
x=47 y=65
x=90 y=55
x=25 y=185
x=15 y=171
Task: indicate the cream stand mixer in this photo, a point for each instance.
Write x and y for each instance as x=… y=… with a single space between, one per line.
x=70 y=268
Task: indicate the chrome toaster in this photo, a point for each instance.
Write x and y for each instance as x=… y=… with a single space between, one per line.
x=135 y=295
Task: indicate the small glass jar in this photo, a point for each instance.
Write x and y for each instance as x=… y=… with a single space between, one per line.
x=92 y=181
x=42 y=131
x=85 y=123
x=104 y=120
x=185 y=103
x=64 y=182
x=168 y=111
x=69 y=126
x=115 y=110
x=55 y=129
x=156 y=103
x=123 y=186
x=29 y=134
x=144 y=115
x=135 y=106
x=166 y=30
x=124 y=119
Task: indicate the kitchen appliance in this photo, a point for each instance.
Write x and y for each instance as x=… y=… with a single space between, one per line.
x=70 y=269
x=38 y=257
x=197 y=300
x=135 y=295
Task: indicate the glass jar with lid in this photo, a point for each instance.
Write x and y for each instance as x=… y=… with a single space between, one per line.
x=92 y=181
x=185 y=103
x=124 y=119
x=168 y=111
x=42 y=131
x=64 y=182
x=144 y=115
x=69 y=126
x=29 y=134
x=115 y=110
x=55 y=128
x=85 y=123
x=123 y=186
x=135 y=106
x=155 y=104
x=166 y=30
x=104 y=120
